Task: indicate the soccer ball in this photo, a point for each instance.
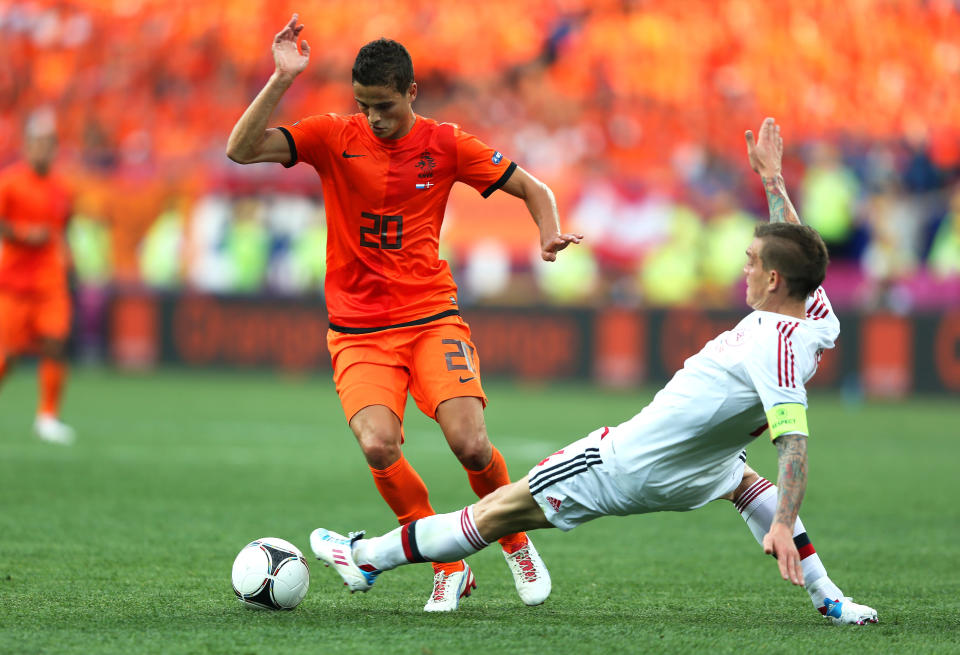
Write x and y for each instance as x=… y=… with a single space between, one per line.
x=270 y=573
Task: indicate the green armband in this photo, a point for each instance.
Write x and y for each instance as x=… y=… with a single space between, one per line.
x=787 y=418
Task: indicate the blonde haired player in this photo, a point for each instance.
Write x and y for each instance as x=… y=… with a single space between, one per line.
x=686 y=448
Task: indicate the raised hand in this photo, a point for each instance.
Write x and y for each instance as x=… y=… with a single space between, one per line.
x=288 y=59
x=766 y=153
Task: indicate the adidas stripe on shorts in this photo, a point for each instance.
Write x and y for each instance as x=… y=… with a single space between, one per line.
x=576 y=485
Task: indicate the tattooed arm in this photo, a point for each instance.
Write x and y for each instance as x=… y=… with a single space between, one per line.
x=781 y=209
x=791 y=484
x=765 y=155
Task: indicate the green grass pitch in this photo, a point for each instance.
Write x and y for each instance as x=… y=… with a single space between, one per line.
x=124 y=542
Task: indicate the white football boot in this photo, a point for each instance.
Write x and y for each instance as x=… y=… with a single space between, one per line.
x=449 y=588
x=49 y=428
x=530 y=574
x=846 y=612
x=337 y=551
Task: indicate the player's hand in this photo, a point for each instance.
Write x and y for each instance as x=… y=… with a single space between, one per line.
x=766 y=153
x=287 y=58
x=34 y=235
x=779 y=543
x=550 y=246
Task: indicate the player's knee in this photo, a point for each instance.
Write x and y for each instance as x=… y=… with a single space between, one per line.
x=749 y=477
x=380 y=446
x=380 y=455
x=473 y=451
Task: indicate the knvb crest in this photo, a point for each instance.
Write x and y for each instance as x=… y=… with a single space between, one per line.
x=426 y=164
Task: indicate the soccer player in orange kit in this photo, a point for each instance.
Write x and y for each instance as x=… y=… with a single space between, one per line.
x=34 y=297
x=395 y=324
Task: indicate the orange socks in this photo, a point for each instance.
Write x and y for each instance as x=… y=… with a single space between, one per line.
x=406 y=494
x=403 y=489
x=52 y=373
x=484 y=481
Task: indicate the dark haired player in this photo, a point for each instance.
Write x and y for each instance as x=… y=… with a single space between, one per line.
x=395 y=323
x=686 y=447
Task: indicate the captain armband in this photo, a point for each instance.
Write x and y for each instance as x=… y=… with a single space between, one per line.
x=787 y=418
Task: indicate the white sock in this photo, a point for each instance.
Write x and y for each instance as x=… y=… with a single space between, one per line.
x=757 y=505
x=438 y=538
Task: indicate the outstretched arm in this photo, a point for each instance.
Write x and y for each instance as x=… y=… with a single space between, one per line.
x=791 y=485
x=251 y=141
x=543 y=208
x=765 y=155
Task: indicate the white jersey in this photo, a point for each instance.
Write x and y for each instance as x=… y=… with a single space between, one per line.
x=668 y=455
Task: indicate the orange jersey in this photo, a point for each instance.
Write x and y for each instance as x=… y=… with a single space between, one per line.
x=385 y=201
x=27 y=200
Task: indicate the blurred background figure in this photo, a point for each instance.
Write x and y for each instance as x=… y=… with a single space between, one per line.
x=34 y=298
x=631 y=132
x=945 y=250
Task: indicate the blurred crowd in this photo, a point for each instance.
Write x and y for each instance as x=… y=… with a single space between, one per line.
x=632 y=110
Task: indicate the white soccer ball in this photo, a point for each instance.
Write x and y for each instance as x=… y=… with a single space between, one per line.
x=270 y=573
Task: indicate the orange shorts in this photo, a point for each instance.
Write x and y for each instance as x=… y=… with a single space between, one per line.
x=434 y=362
x=27 y=318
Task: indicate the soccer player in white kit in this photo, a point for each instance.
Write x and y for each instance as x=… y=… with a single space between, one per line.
x=686 y=448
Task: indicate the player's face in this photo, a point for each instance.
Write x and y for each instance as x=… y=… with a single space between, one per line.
x=757 y=278
x=389 y=112
x=39 y=151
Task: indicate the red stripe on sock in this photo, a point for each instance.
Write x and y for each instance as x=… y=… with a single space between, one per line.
x=807 y=551
x=470 y=531
x=750 y=494
x=405 y=541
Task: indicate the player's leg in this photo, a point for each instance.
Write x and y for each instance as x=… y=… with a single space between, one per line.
x=437 y=538
x=756 y=500
x=6 y=334
x=52 y=326
x=446 y=385
x=379 y=434
x=372 y=378
x=461 y=420
x=13 y=325
x=564 y=490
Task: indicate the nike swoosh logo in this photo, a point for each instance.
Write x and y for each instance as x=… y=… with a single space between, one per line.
x=347 y=156
x=462 y=380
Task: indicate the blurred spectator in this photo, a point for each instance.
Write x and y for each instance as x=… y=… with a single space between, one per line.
x=945 y=252
x=308 y=257
x=828 y=199
x=726 y=237
x=161 y=251
x=575 y=282
x=670 y=275
x=892 y=253
x=90 y=246
x=247 y=246
x=593 y=93
x=486 y=272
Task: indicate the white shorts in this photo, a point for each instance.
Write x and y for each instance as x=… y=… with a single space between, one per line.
x=576 y=485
